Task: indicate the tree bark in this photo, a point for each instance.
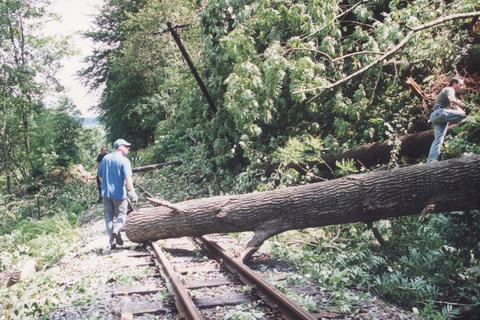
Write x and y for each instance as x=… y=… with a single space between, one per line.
x=445 y=186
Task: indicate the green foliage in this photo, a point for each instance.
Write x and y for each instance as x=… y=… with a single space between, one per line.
x=136 y=70
x=56 y=138
x=23 y=233
x=345 y=167
x=244 y=313
x=30 y=300
x=191 y=179
x=466 y=138
x=129 y=278
x=422 y=262
x=305 y=301
x=44 y=240
x=436 y=255
x=35 y=139
x=259 y=61
x=299 y=149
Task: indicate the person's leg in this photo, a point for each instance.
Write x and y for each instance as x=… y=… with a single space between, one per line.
x=440 y=119
x=120 y=216
x=454 y=115
x=440 y=131
x=108 y=212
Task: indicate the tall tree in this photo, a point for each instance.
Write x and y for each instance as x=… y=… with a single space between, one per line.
x=146 y=80
x=123 y=83
x=29 y=61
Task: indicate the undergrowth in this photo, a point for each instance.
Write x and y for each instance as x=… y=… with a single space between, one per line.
x=25 y=236
x=429 y=267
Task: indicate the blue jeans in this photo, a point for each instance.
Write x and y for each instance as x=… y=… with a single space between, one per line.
x=440 y=118
x=114 y=209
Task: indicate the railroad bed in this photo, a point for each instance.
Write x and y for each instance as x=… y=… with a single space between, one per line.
x=131 y=282
x=205 y=281
x=202 y=282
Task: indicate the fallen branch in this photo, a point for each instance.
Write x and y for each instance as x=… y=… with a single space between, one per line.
x=156 y=166
x=412 y=147
x=164 y=203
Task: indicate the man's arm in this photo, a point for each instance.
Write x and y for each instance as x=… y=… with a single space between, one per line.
x=129 y=184
x=99 y=171
x=130 y=189
x=456 y=104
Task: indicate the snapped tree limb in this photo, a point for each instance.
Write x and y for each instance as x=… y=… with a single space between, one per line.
x=156 y=166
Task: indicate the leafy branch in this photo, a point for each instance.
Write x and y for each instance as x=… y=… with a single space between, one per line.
x=392 y=51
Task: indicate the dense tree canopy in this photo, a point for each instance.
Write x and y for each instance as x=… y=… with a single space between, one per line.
x=276 y=71
x=35 y=137
x=134 y=64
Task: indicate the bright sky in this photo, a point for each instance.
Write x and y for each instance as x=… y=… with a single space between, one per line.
x=76 y=17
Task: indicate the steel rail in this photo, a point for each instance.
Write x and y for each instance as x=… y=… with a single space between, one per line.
x=182 y=297
x=273 y=297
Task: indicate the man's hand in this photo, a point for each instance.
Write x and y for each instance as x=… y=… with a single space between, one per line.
x=132 y=195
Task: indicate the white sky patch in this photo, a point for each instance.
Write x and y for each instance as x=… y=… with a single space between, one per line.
x=76 y=16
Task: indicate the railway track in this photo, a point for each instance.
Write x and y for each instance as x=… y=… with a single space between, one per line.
x=203 y=281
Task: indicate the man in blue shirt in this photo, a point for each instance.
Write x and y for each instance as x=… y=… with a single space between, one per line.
x=447 y=108
x=115 y=173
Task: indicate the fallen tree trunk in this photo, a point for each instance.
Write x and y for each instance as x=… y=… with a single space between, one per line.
x=412 y=147
x=155 y=166
x=445 y=186
x=26 y=270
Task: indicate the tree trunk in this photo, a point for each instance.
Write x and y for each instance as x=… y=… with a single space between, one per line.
x=4 y=166
x=444 y=186
x=26 y=130
x=8 y=189
x=412 y=147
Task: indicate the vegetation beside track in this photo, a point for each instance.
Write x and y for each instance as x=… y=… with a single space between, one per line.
x=266 y=65
x=46 y=240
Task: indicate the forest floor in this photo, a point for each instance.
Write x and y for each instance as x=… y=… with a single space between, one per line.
x=86 y=277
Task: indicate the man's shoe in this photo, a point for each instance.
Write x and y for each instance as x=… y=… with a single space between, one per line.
x=118 y=238
x=113 y=245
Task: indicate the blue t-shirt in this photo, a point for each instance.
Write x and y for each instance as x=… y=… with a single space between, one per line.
x=114 y=169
